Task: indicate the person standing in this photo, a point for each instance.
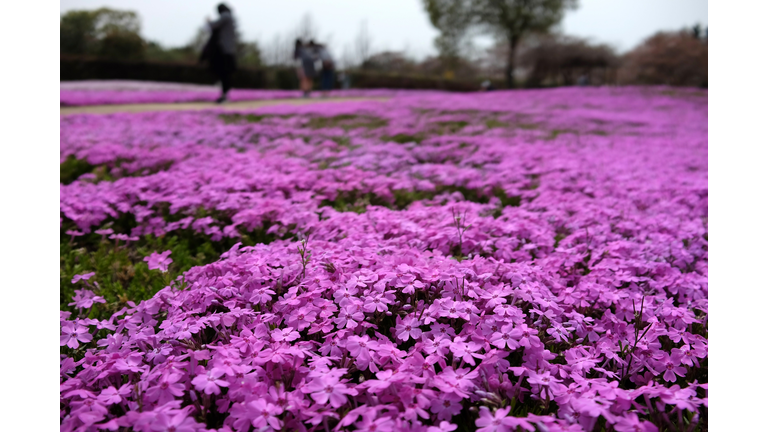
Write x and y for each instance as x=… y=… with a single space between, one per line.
x=327 y=70
x=307 y=58
x=297 y=51
x=220 y=49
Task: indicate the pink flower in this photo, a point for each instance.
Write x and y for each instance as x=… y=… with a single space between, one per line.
x=376 y=303
x=262 y=295
x=372 y=424
x=287 y=335
x=670 y=366
x=159 y=261
x=167 y=389
x=525 y=335
x=439 y=345
x=495 y=296
x=630 y=423
x=407 y=328
x=328 y=388
x=359 y=348
x=84 y=299
x=446 y=405
x=209 y=382
x=465 y=351
x=111 y=395
x=265 y=414
x=443 y=427
x=123 y=237
x=84 y=277
x=71 y=333
x=682 y=398
x=687 y=355
x=499 y=422
x=503 y=338
x=348 y=317
x=165 y=422
x=459 y=381
x=302 y=318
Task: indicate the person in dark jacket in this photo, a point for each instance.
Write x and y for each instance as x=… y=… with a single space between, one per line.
x=307 y=56
x=298 y=49
x=219 y=51
x=327 y=70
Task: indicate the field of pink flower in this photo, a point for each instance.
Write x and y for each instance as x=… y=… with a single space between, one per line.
x=528 y=260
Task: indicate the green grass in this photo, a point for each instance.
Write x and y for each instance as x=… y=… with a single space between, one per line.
x=494 y=123
x=447 y=127
x=404 y=138
x=356 y=201
x=242 y=118
x=121 y=272
x=346 y=122
x=72 y=168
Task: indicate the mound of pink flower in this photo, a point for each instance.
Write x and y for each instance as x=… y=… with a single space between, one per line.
x=550 y=274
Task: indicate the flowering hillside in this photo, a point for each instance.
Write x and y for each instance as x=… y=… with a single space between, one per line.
x=532 y=260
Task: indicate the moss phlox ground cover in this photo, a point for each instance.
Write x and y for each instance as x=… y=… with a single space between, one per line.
x=530 y=260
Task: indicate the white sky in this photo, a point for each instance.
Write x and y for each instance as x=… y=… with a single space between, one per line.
x=393 y=24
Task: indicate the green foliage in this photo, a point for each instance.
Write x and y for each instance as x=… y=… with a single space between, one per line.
x=493 y=123
x=449 y=17
x=121 y=46
x=103 y=32
x=156 y=52
x=507 y=201
x=509 y=19
x=358 y=202
x=77 y=32
x=240 y=118
x=72 y=168
x=449 y=127
x=404 y=138
x=346 y=122
x=115 y=34
x=248 y=54
x=121 y=273
x=554 y=133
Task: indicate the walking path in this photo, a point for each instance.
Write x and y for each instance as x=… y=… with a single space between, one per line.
x=192 y=106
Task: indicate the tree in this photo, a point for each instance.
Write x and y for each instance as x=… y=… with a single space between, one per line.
x=450 y=18
x=670 y=58
x=103 y=32
x=389 y=62
x=559 y=59
x=510 y=20
x=248 y=54
x=77 y=31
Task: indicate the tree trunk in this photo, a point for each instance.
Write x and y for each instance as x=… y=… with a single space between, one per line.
x=511 y=62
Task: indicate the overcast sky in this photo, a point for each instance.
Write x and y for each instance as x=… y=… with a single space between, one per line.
x=393 y=24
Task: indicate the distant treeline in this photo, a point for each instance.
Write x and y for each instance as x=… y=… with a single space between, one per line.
x=106 y=44
x=75 y=68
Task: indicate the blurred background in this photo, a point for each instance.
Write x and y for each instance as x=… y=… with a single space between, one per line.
x=462 y=45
